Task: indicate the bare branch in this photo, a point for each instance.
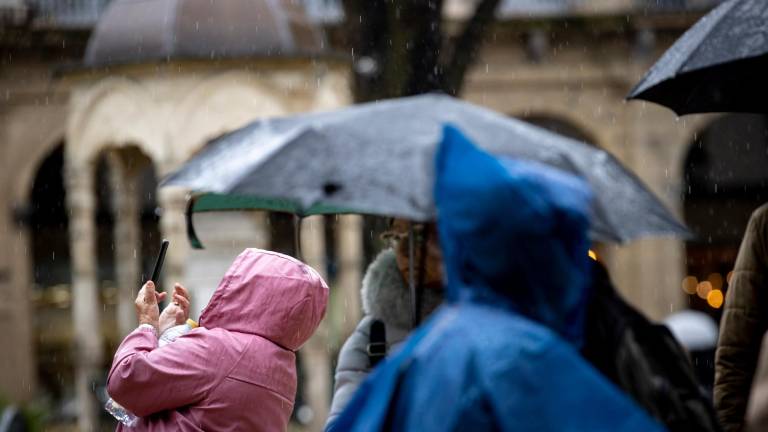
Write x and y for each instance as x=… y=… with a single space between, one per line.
x=467 y=46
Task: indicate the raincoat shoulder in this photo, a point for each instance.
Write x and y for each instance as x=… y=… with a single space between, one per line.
x=493 y=385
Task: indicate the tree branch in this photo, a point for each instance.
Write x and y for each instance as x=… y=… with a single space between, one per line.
x=425 y=44
x=467 y=45
x=367 y=30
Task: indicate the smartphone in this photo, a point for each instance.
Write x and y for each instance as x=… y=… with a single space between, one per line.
x=159 y=262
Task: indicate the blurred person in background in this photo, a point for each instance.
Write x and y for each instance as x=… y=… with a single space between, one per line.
x=757 y=408
x=386 y=303
x=744 y=322
x=237 y=370
x=697 y=332
x=646 y=360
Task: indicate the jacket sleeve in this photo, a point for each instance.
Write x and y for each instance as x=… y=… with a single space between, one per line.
x=351 y=370
x=742 y=325
x=757 y=408
x=146 y=379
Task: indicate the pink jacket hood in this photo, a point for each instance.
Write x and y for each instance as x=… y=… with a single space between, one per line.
x=270 y=295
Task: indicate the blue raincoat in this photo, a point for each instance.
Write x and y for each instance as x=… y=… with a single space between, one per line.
x=502 y=354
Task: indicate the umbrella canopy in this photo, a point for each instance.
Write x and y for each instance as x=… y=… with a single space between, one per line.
x=377 y=158
x=719 y=65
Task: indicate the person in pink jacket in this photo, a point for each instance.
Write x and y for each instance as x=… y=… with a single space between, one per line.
x=237 y=371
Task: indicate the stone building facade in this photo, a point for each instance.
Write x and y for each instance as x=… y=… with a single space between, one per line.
x=567 y=70
x=134 y=104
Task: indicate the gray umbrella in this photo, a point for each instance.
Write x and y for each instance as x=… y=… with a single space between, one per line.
x=719 y=65
x=377 y=158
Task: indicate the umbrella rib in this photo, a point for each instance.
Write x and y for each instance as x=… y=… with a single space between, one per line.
x=634 y=92
x=597 y=205
x=705 y=37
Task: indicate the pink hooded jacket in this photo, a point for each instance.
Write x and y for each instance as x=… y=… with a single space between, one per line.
x=236 y=372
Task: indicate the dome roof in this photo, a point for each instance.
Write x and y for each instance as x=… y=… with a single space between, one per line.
x=140 y=31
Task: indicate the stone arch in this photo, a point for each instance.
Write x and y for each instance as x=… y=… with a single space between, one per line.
x=127 y=227
x=219 y=104
x=28 y=164
x=688 y=131
x=49 y=284
x=565 y=122
x=32 y=137
x=113 y=112
x=565 y=126
x=92 y=94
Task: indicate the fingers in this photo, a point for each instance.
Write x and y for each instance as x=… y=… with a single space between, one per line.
x=179 y=289
x=183 y=304
x=147 y=294
x=146 y=305
x=150 y=293
x=160 y=296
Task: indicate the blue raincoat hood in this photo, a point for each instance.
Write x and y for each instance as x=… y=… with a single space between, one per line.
x=513 y=233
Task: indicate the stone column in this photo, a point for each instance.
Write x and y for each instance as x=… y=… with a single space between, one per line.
x=314 y=358
x=173 y=226
x=125 y=207
x=88 y=356
x=349 y=240
x=17 y=364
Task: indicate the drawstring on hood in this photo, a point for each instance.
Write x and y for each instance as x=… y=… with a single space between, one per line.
x=513 y=233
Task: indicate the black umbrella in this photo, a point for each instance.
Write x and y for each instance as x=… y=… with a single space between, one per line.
x=377 y=158
x=719 y=65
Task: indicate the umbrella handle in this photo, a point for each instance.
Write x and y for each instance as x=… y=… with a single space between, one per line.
x=411 y=276
x=297 y=236
x=194 y=240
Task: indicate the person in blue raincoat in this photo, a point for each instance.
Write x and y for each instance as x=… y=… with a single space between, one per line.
x=502 y=354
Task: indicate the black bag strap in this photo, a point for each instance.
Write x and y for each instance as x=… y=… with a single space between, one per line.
x=377 y=342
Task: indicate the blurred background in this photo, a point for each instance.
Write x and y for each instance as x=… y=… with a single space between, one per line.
x=100 y=99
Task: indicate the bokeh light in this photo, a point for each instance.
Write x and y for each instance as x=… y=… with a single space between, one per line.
x=716 y=279
x=703 y=289
x=689 y=284
x=715 y=298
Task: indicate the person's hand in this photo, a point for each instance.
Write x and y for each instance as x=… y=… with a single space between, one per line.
x=147 y=310
x=177 y=312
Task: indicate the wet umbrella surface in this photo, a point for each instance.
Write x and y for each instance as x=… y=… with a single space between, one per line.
x=719 y=65
x=377 y=159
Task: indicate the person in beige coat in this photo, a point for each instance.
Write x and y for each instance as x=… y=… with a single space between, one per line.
x=757 y=408
x=745 y=320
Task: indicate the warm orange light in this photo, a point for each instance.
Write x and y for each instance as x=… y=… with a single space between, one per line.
x=716 y=279
x=715 y=298
x=592 y=254
x=689 y=284
x=703 y=289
